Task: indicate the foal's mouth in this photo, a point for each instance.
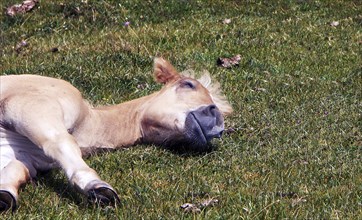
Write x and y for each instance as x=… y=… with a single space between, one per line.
x=199 y=127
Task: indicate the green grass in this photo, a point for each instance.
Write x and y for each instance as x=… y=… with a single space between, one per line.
x=297 y=147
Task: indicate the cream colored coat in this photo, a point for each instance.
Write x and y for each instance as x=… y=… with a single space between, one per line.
x=45 y=123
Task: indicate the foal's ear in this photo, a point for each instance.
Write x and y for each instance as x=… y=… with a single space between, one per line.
x=164 y=72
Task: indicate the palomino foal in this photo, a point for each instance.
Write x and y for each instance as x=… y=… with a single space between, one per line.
x=45 y=123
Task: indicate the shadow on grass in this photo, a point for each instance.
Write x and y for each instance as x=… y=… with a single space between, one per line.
x=184 y=150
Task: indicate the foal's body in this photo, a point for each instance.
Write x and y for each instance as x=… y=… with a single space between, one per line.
x=45 y=122
x=64 y=113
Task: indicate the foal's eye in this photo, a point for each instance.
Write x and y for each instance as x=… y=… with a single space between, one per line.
x=187 y=84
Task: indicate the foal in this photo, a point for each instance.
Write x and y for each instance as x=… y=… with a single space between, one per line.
x=45 y=123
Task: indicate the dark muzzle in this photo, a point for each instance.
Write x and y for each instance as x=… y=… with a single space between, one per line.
x=204 y=124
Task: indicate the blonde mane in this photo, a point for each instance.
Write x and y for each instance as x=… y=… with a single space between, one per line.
x=213 y=87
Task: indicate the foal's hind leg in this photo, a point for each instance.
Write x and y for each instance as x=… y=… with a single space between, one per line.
x=12 y=176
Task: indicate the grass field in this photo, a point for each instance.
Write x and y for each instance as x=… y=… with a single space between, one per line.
x=294 y=146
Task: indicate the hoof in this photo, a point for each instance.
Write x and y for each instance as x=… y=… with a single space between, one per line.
x=7 y=201
x=102 y=194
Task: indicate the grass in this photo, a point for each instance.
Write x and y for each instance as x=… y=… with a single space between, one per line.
x=296 y=149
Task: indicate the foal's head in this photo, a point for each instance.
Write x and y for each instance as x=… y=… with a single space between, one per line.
x=185 y=111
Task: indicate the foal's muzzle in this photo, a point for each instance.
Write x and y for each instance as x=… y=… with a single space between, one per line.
x=202 y=125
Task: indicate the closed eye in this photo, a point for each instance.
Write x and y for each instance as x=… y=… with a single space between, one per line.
x=187 y=84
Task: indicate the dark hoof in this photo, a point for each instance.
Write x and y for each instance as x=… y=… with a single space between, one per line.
x=103 y=196
x=7 y=201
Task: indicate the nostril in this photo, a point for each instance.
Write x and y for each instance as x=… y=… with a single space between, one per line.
x=212 y=107
x=212 y=110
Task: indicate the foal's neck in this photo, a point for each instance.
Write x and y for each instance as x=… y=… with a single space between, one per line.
x=113 y=126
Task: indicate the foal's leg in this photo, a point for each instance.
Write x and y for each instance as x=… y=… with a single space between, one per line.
x=12 y=176
x=44 y=125
x=62 y=147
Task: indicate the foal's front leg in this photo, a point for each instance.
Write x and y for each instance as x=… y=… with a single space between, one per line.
x=64 y=149
x=42 y=120
x=52 y=137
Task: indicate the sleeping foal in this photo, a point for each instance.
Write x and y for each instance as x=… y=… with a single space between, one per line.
x=45 y=123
